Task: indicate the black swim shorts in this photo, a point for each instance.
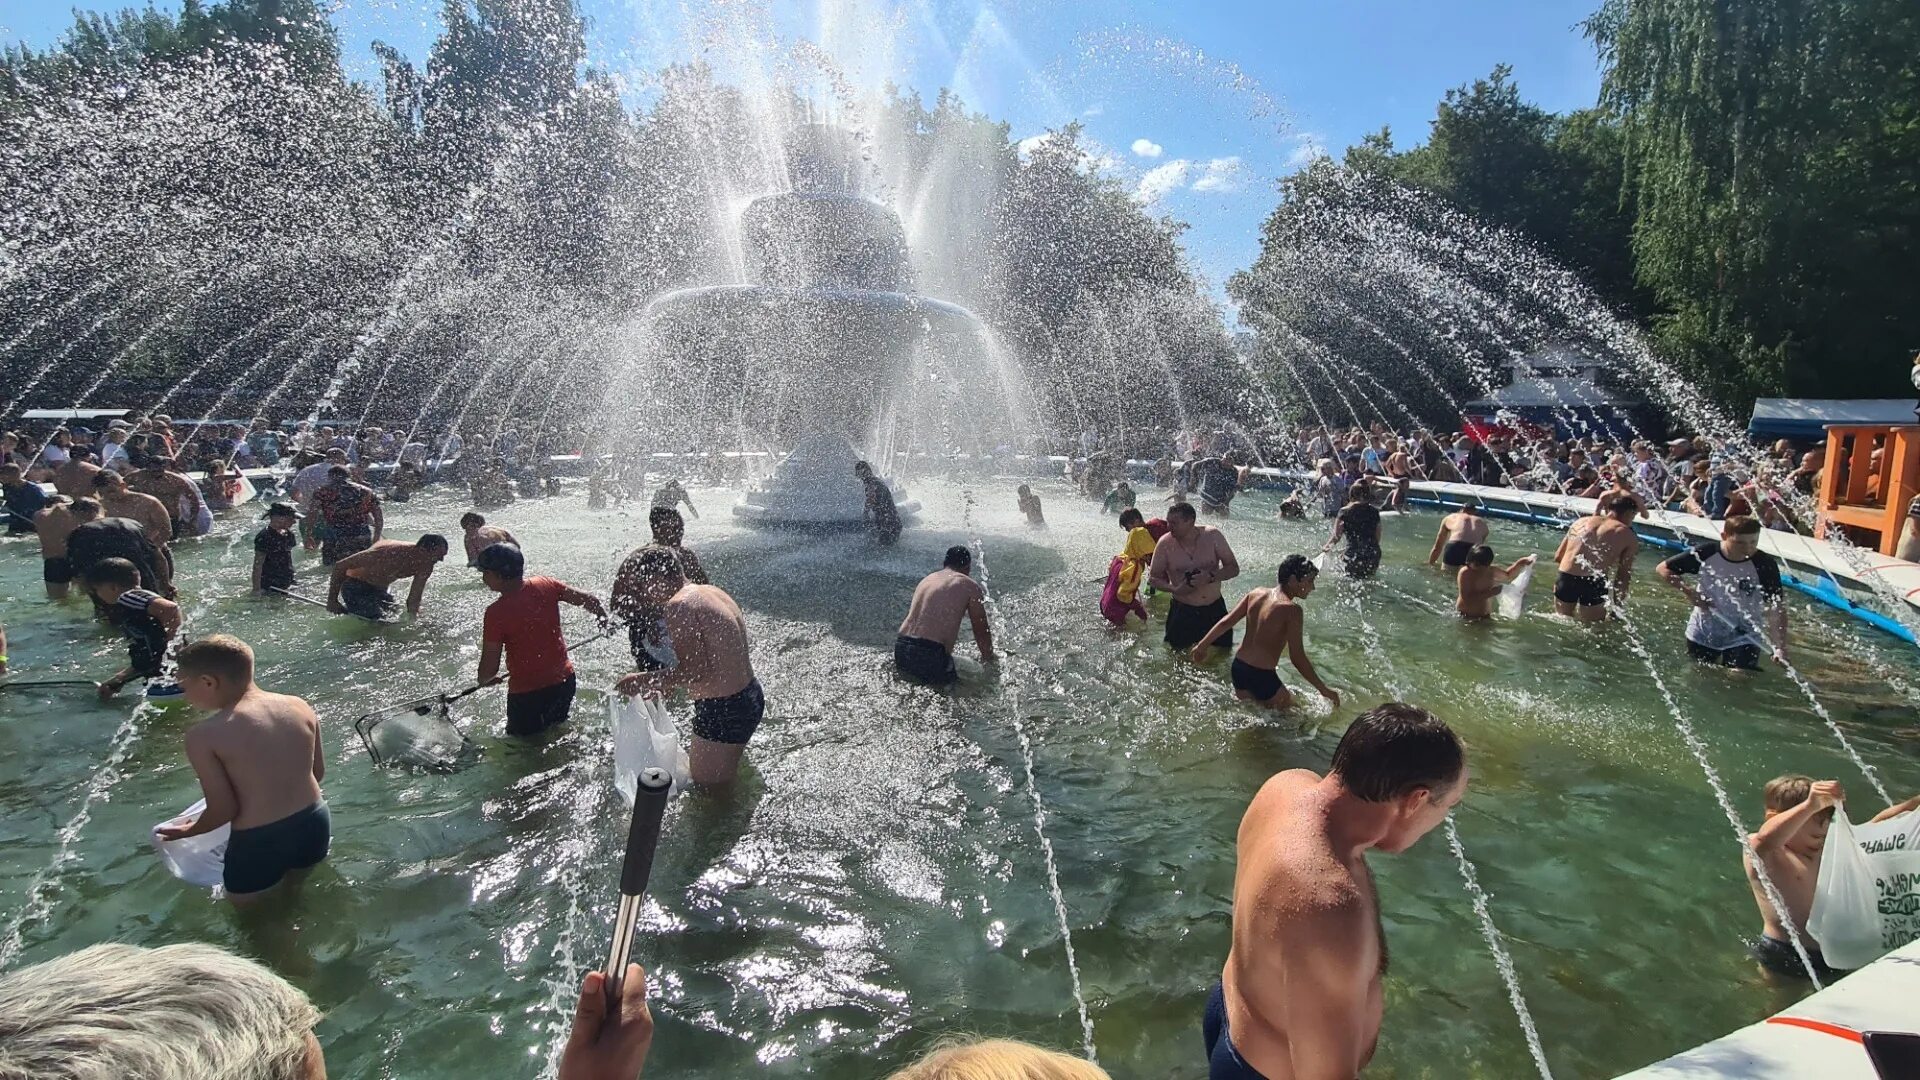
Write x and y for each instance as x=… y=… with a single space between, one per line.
x=1580 y=591
x=928 y=661
x=537 y=710
x=57 y=570
x=1778 y=957
x=1745 y=656
x=1188 y=623
x=730 y=719
x=1455 y=553
x=1260 y=684
x=259 y=857
x=1362 y=561
x=367 y=601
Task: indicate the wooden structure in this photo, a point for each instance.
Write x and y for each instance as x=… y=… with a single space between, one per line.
x=1871 y=474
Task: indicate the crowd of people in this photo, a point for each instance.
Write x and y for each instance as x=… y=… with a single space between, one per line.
x=1300 y=990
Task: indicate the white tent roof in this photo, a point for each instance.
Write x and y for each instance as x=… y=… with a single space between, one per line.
x=1551 y=392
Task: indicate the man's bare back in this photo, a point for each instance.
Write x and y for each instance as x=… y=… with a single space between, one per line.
x=1271 y=617
x=479 y=539
x=74 y=478
x=267 y=748
x=1306 y=939
x=386 y=562
x=1463 y=527
x=1597 y=546
x=709 y=637
x=54 y=525
x=150 y=512
x=939 y=604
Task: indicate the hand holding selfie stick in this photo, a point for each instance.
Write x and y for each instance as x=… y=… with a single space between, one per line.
x=643 y=836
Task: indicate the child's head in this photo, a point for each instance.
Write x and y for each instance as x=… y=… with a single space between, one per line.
x=215 y=671
x=282 y=516
x=108 y=578
x=1481 y=555
x=1783 y=793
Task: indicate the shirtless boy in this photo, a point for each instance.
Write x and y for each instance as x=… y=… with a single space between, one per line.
x=708 y=636
x=260 y=764
x=924 y=648
x=74 y=479
x=1190 y=562
x=1789 y=843
x=1595 y=546
x=1460 y=532
x=1300 y=995
x=481 y=535
x=1274 y=626
x=1480 y=581
x=54 y=524
x=360 y=581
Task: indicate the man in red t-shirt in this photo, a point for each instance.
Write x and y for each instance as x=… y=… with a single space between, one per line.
x=525 y=622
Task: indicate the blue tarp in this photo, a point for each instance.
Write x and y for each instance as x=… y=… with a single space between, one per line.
x=1806 y=418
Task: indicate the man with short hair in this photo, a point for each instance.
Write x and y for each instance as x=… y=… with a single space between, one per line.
x=118 y=502
x=54 y=523
x=1275 y=627
x=924 y=648
x=74 y=479
x=1595 y=546
x=671 y=495
x=350 y=517
x=480 y=535
x=1460 y=532
x=708 y=636
x=1739 y=591
x=260 y=763
x=1190 y=562
x=360 y=581
x=1358 y=523
x=1300 y=994
x=96 y=538
x=882 y=516
x=186 y=506
x=524 y=624
x=309 y=479
x=670 y=531
x=22 y=499
x=273 y=549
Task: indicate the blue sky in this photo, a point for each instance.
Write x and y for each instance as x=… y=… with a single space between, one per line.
x=1199 y=107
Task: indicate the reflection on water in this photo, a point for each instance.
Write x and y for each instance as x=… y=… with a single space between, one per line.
x=873 y=880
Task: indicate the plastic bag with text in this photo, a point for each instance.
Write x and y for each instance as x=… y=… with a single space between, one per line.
x=1513 y=595
x=197 y=860
x=644 y=737
x=1866 y=901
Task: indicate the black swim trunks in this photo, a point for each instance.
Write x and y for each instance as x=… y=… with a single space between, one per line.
x=1361 y=561
x=928 y=661
x=57 y=570
x=1778 y=957
x=259 y=857
x=1745 y=657
x=1455 y=553
x=367 y=601
x=1260 y=684
x=1223 y=1061
x=1188 y=623
x=730 y=719
x=1580 y=591
x=537 y=710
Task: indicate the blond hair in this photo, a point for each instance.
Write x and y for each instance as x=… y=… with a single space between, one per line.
x=1787 y=792
x=222 y=656
x=998 y=1059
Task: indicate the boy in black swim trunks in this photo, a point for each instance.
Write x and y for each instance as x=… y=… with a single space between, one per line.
x=260 y=763
x=1274 y=626
x=147 y=619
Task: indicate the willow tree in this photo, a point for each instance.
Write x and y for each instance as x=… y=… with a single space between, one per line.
x=1771 y=155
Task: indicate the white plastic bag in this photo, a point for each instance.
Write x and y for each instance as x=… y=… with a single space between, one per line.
x=644 y=738
x=197 y=860
x=1866 y=901
x=1513 y=595
x=1319 y=562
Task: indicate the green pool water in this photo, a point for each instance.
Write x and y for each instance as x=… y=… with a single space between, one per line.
x=875 y=881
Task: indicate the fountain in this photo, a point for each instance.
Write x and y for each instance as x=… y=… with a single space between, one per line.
x=815 y=343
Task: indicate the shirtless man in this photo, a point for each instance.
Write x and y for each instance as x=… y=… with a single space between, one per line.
x=75 y=478
x=1190 y=562
x=671 y=495
x=1460 y=532
x=186 y=507
x=709 y=641
x=1789 y=843
x=54 y=524
x=1479 y=581
x=1300 y=995
x=260 y=764
x=1594 y=547
x=882 y=516
x=924 y=649
x=1274 y=627
x=118 y=502
x=1400 y=471
x=360 y=581
x=481 y=535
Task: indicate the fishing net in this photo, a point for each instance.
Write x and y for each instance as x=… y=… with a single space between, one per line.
x=420 y=735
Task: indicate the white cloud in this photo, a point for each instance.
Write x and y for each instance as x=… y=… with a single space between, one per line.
x=1031 y=143
x=1308 y=146
x=1091 y=111
x=1147 y=148
x=1220 y=174
x=1161 y=180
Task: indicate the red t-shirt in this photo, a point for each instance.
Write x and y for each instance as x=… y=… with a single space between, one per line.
x=1156 y=527
x=527 y=622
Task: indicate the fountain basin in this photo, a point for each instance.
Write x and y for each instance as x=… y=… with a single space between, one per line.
x=814 y=487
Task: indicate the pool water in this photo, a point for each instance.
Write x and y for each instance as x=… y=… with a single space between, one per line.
x=874 y=882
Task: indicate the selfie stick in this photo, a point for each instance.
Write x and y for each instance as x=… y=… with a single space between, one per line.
x=643 y=836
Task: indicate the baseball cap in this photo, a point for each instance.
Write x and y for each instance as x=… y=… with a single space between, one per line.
x=501 y=558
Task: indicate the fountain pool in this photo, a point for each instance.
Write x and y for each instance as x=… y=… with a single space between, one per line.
x=875 y=881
